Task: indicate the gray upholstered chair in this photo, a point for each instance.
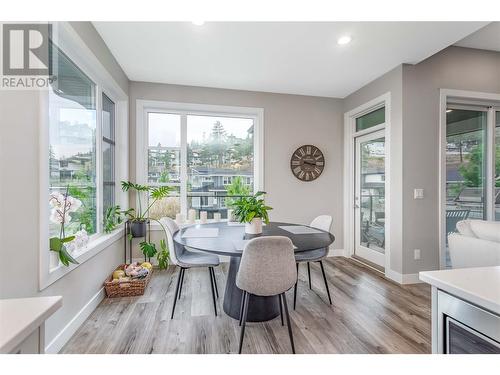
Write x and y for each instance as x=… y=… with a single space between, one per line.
x=267 y=268
x=322 y=222
x=185 y=259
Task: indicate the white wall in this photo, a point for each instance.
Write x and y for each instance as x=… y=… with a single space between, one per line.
x=289 y=122
x=19 y=216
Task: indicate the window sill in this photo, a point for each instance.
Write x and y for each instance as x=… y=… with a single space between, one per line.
x=89 y=251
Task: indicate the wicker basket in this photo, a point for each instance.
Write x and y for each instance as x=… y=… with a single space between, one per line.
x=129 y=288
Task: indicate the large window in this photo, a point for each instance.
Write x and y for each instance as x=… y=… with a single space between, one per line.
x=81 y=153
x=203 y=157
x=108 y=153
x=72 y=143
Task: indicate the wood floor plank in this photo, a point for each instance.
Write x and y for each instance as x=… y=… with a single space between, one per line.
x=369 y=315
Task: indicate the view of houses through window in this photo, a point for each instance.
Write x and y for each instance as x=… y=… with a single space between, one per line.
x=72 y=144
x=219 y=161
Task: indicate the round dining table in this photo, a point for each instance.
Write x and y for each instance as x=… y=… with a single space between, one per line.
x=230 y=242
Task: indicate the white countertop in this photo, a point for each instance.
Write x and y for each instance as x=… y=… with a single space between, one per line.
x=19 y=317
x=480 y=285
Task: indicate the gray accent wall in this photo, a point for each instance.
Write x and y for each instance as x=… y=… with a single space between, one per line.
x=453 y=68
x=391 y=82
x=290 y=121
x=415 y=93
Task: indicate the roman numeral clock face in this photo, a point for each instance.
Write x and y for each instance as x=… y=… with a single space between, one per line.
x=307 y=163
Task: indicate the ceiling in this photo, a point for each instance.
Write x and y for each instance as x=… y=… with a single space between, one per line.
x=282 y=57
x=486 y=38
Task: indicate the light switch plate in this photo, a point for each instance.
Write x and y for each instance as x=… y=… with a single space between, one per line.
x=418 y=194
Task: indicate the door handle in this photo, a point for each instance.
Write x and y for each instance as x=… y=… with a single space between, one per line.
x=356 y=206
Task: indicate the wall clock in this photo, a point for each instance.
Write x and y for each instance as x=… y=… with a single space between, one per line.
x=307 y=163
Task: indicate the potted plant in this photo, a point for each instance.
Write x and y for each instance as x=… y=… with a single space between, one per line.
x=236 y=189
x=62 y=206
x=252 y=211
x=139 y=217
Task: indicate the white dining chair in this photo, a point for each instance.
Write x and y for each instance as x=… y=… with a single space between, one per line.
x=185 y=259
x=322 y=222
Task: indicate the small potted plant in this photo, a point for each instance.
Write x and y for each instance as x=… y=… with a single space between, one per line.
x=252 y=211
x=139 y=217
x=62 y=206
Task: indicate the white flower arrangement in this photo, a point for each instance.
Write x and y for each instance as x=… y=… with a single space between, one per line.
x=62 y=205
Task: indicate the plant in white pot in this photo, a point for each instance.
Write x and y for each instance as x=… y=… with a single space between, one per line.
x=252 y=211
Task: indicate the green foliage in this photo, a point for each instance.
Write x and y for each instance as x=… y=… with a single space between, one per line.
x=155 y=193
x=148 y=249
x=163 y=256
x=472 y=171
x=57 y=244
x=248 y=208
x=237 y=188
x=113 y=217
x=85 y=216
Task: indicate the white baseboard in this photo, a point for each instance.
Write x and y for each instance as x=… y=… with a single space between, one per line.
x=65 y=334
x=336 y=253
x=407 y=278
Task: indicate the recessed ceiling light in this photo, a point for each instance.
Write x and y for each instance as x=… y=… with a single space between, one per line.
x=198 y=23
x=346 y=39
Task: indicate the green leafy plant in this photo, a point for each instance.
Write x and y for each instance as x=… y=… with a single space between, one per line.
x=155 y=193
x=148 y=249
x=163 y=256
x=248 y=208
x=114 y=216
x=237 y=188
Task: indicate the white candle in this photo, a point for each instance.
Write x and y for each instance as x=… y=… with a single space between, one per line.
x=217 y=216
x=191 y=216
x=230 y=215
x=179 y=219
x=203 y=217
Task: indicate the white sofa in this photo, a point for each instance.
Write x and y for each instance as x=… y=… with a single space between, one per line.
x=477 y=244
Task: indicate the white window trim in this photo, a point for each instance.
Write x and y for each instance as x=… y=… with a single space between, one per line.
x=75 y=48
x=350 y=135
x=145 y=106
x=464 y=96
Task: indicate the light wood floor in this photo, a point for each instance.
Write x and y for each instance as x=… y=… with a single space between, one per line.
x=369 y=315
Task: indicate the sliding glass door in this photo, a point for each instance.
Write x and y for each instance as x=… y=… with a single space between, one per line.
x=472 y=165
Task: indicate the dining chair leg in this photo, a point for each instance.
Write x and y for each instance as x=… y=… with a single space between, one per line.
x=281 y=310
x=326 y=283
x=182 y=281
x=309 y=274
x=176 y=292
x=289 y=325
x=215 y=282
x=295 y=289
x=213 y=291
x=244 y=320
x=242 y=305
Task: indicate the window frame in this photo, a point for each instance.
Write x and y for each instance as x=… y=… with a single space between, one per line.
x=68 y=41
x=144 y=107
x=469 y=99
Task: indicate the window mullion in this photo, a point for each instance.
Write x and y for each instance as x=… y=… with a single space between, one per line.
x=99 y=163
x=490 y=164
x=184 y=203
